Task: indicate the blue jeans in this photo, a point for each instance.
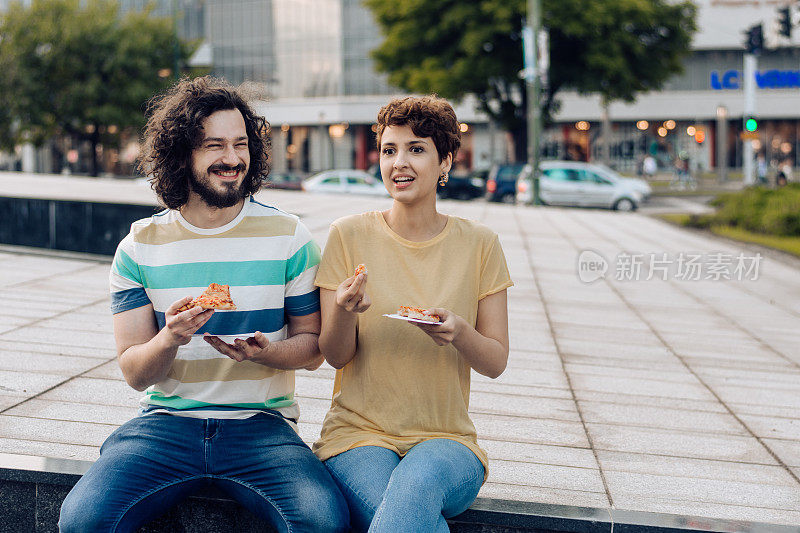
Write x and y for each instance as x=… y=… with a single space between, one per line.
x=437 y=479
x=152 y=462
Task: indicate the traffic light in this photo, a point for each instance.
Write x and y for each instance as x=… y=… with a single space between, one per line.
x=755 y=39
x=785 y=21
x=750 y=124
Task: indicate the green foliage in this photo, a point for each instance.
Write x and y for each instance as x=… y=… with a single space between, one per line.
x=617 y=48
x=76 y=67
x=757 y=209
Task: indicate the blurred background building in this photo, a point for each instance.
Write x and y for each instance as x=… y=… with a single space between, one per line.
x=310 y=61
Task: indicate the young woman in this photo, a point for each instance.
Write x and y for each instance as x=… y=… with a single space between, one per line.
x=398 y=439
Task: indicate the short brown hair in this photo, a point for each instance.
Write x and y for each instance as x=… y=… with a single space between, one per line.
x=175 y=127
x=427 y=116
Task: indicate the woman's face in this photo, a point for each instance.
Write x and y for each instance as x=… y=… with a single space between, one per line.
x=410 y=165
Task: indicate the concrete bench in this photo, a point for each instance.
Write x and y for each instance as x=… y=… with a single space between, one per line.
x=32 y=489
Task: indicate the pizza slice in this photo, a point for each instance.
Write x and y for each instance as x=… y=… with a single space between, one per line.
x=361 y=269
x=216 y=296
x=417 y=313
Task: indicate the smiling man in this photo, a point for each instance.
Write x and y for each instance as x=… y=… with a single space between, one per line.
x=219 y=403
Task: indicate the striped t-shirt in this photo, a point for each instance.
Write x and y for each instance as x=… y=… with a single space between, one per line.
x=269 y=260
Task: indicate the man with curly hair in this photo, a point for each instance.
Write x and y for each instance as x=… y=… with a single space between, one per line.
x=219 y=406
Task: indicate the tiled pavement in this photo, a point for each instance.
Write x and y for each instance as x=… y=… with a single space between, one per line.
x=669 y=396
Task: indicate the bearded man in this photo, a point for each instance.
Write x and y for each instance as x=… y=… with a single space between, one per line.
x=219 y=404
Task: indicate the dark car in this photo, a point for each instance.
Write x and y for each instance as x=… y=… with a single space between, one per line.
x=501 y=186
x=464 y=186
x=284 y=180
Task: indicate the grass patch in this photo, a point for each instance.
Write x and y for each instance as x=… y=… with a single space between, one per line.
x=788 y=244
x=785 y=244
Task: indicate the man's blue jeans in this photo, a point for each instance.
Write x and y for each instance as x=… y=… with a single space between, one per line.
x=436 y=479
x=152 y=462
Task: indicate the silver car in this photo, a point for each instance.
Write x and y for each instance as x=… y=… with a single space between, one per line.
x=576 y=183
x=345 y=181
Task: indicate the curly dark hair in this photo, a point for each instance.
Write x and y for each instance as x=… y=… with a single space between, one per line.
x=427 y=116
x=174 y=128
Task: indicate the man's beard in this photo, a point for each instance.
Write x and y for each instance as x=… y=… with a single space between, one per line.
x=230 y=196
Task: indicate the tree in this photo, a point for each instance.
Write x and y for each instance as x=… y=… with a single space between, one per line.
x=617 y=48
x=79 y=68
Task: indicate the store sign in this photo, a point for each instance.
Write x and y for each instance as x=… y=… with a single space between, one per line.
x=765 y=79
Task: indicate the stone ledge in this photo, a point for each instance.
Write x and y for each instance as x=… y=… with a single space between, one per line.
x=32 y=489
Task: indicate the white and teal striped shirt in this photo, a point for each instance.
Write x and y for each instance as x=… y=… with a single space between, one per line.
x=269 y=260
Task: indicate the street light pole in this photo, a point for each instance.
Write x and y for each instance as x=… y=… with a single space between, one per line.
x=533 y=89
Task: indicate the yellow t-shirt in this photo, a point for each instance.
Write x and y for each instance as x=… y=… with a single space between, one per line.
x=400 y=388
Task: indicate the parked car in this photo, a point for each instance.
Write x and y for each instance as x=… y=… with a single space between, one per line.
x=284 y=180
x=345 y=181
x=501 y=185
x=582 y=184
x=464 y=186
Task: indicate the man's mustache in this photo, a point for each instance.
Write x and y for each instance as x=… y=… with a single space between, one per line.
x=227 y=168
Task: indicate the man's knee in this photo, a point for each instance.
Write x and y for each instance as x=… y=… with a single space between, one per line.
x=79 y=514
x=323 y=509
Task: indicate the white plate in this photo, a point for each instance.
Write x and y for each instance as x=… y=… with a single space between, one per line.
x=407 y=319
x=229 y=338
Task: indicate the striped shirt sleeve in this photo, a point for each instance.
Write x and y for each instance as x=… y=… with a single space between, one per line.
x=301 y=297
x=126 y=280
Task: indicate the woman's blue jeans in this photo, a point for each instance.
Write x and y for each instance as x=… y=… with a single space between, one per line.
x=436 y=479
x=152 y=462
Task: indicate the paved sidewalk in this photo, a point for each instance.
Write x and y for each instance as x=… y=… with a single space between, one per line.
x=670 y=396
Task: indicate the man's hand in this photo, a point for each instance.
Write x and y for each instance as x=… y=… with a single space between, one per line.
x=351 y=295
x=181 y=326
x=446 y=331
x=240 y=350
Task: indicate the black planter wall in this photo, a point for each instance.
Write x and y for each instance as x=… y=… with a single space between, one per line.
x=87 y=227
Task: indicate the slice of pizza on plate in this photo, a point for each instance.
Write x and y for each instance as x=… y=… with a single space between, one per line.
x=417 y=313
x=216 y=296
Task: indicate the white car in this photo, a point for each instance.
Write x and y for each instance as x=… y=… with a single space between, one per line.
x=345 y=181
x=576 y=183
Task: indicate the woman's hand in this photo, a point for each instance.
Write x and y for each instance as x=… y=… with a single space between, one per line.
x=446 y=331
x=351 y=295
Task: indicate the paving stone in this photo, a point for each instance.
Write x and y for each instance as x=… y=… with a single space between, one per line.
x=56 y=348
x=543 y=495
x=660 y=417
x=42 y=363
x=71 y=411
x=695 y=509
x=529 y=378
x=687 y=467
x=657 y=401
x=62 y=336
x=26 y=384
x=787 y=451
x=109 y=370
x=546 y=476
x=538 y=453
x=683 y=444
x=45 y=430
x=95 y=391
x=525 y=406
x=49 y=449
x=773 y=427
x=703 y=490
x=532 y=430
x=691 y=389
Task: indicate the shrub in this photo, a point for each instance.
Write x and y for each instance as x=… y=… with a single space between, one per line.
x=756 y=209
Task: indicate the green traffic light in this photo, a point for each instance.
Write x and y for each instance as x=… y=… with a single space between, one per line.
x=751 y=125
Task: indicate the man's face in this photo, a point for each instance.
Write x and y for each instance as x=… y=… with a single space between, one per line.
x=221 y=160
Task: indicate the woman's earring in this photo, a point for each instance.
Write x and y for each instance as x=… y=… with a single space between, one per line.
x=443 y=179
